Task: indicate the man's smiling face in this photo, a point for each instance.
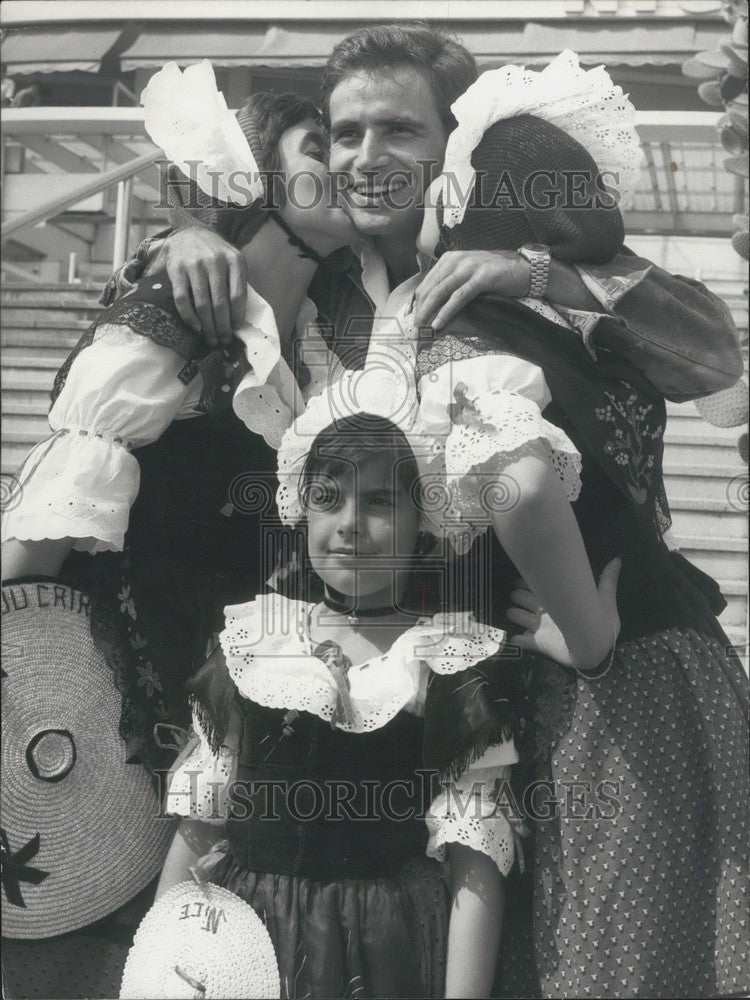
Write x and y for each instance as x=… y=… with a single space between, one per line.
x=388 y=138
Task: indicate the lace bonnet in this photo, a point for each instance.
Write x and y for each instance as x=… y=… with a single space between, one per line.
x=585 y=104
x=386 y=388
x=220 y=152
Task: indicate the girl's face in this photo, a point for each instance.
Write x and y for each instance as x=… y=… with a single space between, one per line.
x=362 y=531
x=312 y=209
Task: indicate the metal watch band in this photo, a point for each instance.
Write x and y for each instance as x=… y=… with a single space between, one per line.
x=539 y=259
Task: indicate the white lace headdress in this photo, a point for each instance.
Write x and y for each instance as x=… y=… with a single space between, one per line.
x=386 y=387
x=585 y=104
x=186 y=114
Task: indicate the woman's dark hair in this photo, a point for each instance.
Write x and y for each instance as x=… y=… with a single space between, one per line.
x=263 y=118
x=448 y=66
x=266 y=116
x=508 y=208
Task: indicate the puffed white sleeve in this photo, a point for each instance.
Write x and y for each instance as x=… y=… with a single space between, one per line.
x=200 y=779
x=484 y=411
x=476 y=810
x=122 y=392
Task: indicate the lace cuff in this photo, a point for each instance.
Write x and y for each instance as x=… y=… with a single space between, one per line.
x=200 y=780
x=76 y=484
x=470 y=812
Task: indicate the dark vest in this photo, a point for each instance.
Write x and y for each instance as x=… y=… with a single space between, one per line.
x=314 y=801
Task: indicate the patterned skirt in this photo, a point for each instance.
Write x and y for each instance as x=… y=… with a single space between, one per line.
x=638 y=882
x=353 y=938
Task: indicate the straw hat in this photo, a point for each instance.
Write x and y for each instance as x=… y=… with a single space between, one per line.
x=200 y=940
x=727 y=408
x=81 y=833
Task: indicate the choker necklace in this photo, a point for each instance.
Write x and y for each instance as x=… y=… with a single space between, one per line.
x=304 y=249
x=337 y=602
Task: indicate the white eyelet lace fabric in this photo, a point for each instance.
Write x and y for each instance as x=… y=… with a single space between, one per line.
x=187 y=115
x=508 y=422
x=269 y=656
x=268 y=406
x=378 y=390
x=480 y=414
x=583 y=103
x=469 y=812
x=200 y=780
x=76 y=484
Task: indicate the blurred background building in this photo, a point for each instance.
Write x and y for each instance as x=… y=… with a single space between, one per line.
x=80 y=184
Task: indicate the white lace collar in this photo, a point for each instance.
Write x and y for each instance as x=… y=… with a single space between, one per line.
x=269 y=654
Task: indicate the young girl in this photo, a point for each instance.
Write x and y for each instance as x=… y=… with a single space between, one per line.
x=645 y=895
x=162 y=458
x=345 y=707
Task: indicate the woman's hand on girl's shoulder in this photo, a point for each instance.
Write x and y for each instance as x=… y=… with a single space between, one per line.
x=543 y=636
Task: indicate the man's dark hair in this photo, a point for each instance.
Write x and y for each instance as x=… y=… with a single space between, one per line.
x=448 y=67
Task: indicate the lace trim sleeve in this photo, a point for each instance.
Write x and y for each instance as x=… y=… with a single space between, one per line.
x=121 y=392
x=478 y=412
x=469 y=812
x=200 y=780
x=76 y=484
x=494 y=426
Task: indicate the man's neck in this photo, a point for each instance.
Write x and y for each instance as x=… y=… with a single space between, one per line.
x=400 y=259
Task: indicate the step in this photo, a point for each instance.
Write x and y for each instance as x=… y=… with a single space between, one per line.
x=12 y=287
x=20 y=402
x=738 y=636
x=676 y=411
x=39 y=337
x=21 y=295
x=704 y=505
x=701 y=434
x=708 y=481
x=63 y=322
x=48 y=316
x=728 y=524
x=735 y=613
x=29 y=427
x=721 y=558
x=12 y=456
x=36 y=357
x=28 y=379
x=697 y=452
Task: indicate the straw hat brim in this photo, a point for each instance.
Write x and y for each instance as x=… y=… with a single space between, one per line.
x=81 y=826
x=200 y=939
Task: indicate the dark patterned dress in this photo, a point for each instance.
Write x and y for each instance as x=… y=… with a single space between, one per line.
x=635 y=778
x=352 y=895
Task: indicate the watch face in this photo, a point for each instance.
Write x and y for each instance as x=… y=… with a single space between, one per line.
x=536 y=247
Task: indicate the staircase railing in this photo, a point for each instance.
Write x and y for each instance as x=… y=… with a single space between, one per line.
x=118 y=175
x=88 y=144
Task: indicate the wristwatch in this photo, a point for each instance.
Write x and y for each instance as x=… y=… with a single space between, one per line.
x=539 y=256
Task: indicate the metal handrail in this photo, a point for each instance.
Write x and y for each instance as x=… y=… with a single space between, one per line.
x=62 y=202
